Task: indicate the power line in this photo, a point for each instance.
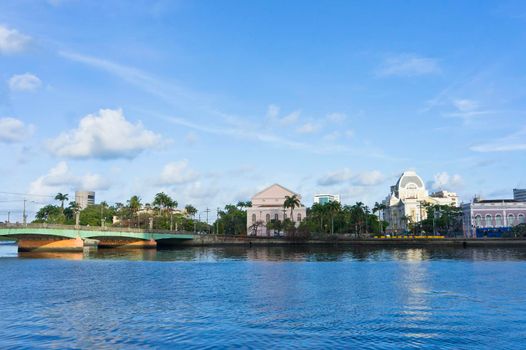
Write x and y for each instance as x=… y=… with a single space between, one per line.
x=27 y=194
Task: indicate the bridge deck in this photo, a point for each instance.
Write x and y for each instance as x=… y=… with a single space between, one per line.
x=89 y=232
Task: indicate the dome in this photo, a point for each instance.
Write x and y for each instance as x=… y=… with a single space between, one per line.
x=409 y=177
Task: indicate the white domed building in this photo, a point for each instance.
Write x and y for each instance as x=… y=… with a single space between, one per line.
x=405 y=202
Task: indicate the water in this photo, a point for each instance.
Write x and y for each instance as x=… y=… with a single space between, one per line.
x=206 y=298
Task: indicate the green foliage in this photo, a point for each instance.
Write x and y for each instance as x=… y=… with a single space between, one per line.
x=93 y=215
x=519 y=231
x=442 y=219
x=50 y=214
x=232 y=220
x=332 y=218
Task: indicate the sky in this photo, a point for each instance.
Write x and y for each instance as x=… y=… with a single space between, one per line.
x=211 y=101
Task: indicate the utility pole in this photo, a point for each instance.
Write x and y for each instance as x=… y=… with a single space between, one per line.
x=24 y=216
x=8 y=216
x=217 y=222
x=208 y=227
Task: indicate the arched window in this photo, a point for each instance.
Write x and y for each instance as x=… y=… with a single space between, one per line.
x=511 y=220
x=267 y=218
x=276 y=217
x=284 y=216
x=498 y=220
x=478 y=221
x=253 y=218
x=521 y=218
x=299 y=217
x=488 y=221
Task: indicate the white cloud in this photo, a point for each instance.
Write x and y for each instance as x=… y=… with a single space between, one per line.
x=368 y=178
x=177 y=173
x=513 y=142
x=336 y=117
x=336 y=177
x=408 y=66
x=273 y=116
x=444 y=181
x=104 y=135
x=24 y=82
x=11 y=41
x=14 y=130
x=290 y=118
x=61 y=179
x=272 y=111
x=333 y=136
x=307 y=128
x=364 y=178
x=465 y=105
x=191 y=138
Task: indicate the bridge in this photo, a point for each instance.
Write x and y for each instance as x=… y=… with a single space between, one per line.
x=44 y=237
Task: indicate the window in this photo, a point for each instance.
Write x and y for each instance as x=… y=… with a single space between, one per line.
x=511 y=219
x=253 y=218
x=478 y=221
x=276 y=217
x=284 y=216
x=299 y=217
x=498 y=220
x=267 y=218
x=488 y=221
x=521 y=218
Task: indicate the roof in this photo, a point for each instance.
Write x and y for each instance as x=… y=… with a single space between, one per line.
x=409 y=177
x=267 y=188
x=497 y=201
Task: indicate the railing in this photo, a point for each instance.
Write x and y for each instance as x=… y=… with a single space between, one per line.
x=90 y=228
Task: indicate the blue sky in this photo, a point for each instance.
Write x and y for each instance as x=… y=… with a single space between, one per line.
x=210 y=101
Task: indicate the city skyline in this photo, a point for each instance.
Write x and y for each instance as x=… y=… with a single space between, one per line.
x=213 y=102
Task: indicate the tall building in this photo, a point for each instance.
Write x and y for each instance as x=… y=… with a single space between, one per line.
x=268 y=205
x=84 y=198
x=519 y=194
x=326 y=198
x=406 y=202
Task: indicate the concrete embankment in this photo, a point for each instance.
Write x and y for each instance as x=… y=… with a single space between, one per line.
x=220 y=240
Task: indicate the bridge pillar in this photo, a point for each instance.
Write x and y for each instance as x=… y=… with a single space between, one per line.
x=50 y=244
x=127 y=243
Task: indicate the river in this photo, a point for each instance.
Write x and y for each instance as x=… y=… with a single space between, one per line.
x=264 y=297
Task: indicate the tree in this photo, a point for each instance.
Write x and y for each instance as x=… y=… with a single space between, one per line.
x=164 y=201
x=61 y=198
x=50 y=214
x=333 y=208
x=291 y=202
x=378 y=208
x=134 y=204
x=190 y=210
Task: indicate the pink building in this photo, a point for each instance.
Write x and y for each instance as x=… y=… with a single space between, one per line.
x=267 y=205
x=492 y=217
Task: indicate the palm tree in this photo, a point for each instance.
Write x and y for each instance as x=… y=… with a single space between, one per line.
x=378 y=208
x=291 y=202
x=62 y=198
x=190 y=210
x=134 y=203
x=164 y=201
x=333 y=207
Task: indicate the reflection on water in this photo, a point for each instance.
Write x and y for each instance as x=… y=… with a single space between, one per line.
x=281 y=253
x=264 y=297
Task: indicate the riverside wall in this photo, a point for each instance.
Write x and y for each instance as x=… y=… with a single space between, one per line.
x=220 y=240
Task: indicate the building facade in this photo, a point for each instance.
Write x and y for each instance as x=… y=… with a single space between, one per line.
x=492 y=218
x=84 y=198
x=406 y=202
x=267 y=205
x=326 y=198
x=519 y=194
